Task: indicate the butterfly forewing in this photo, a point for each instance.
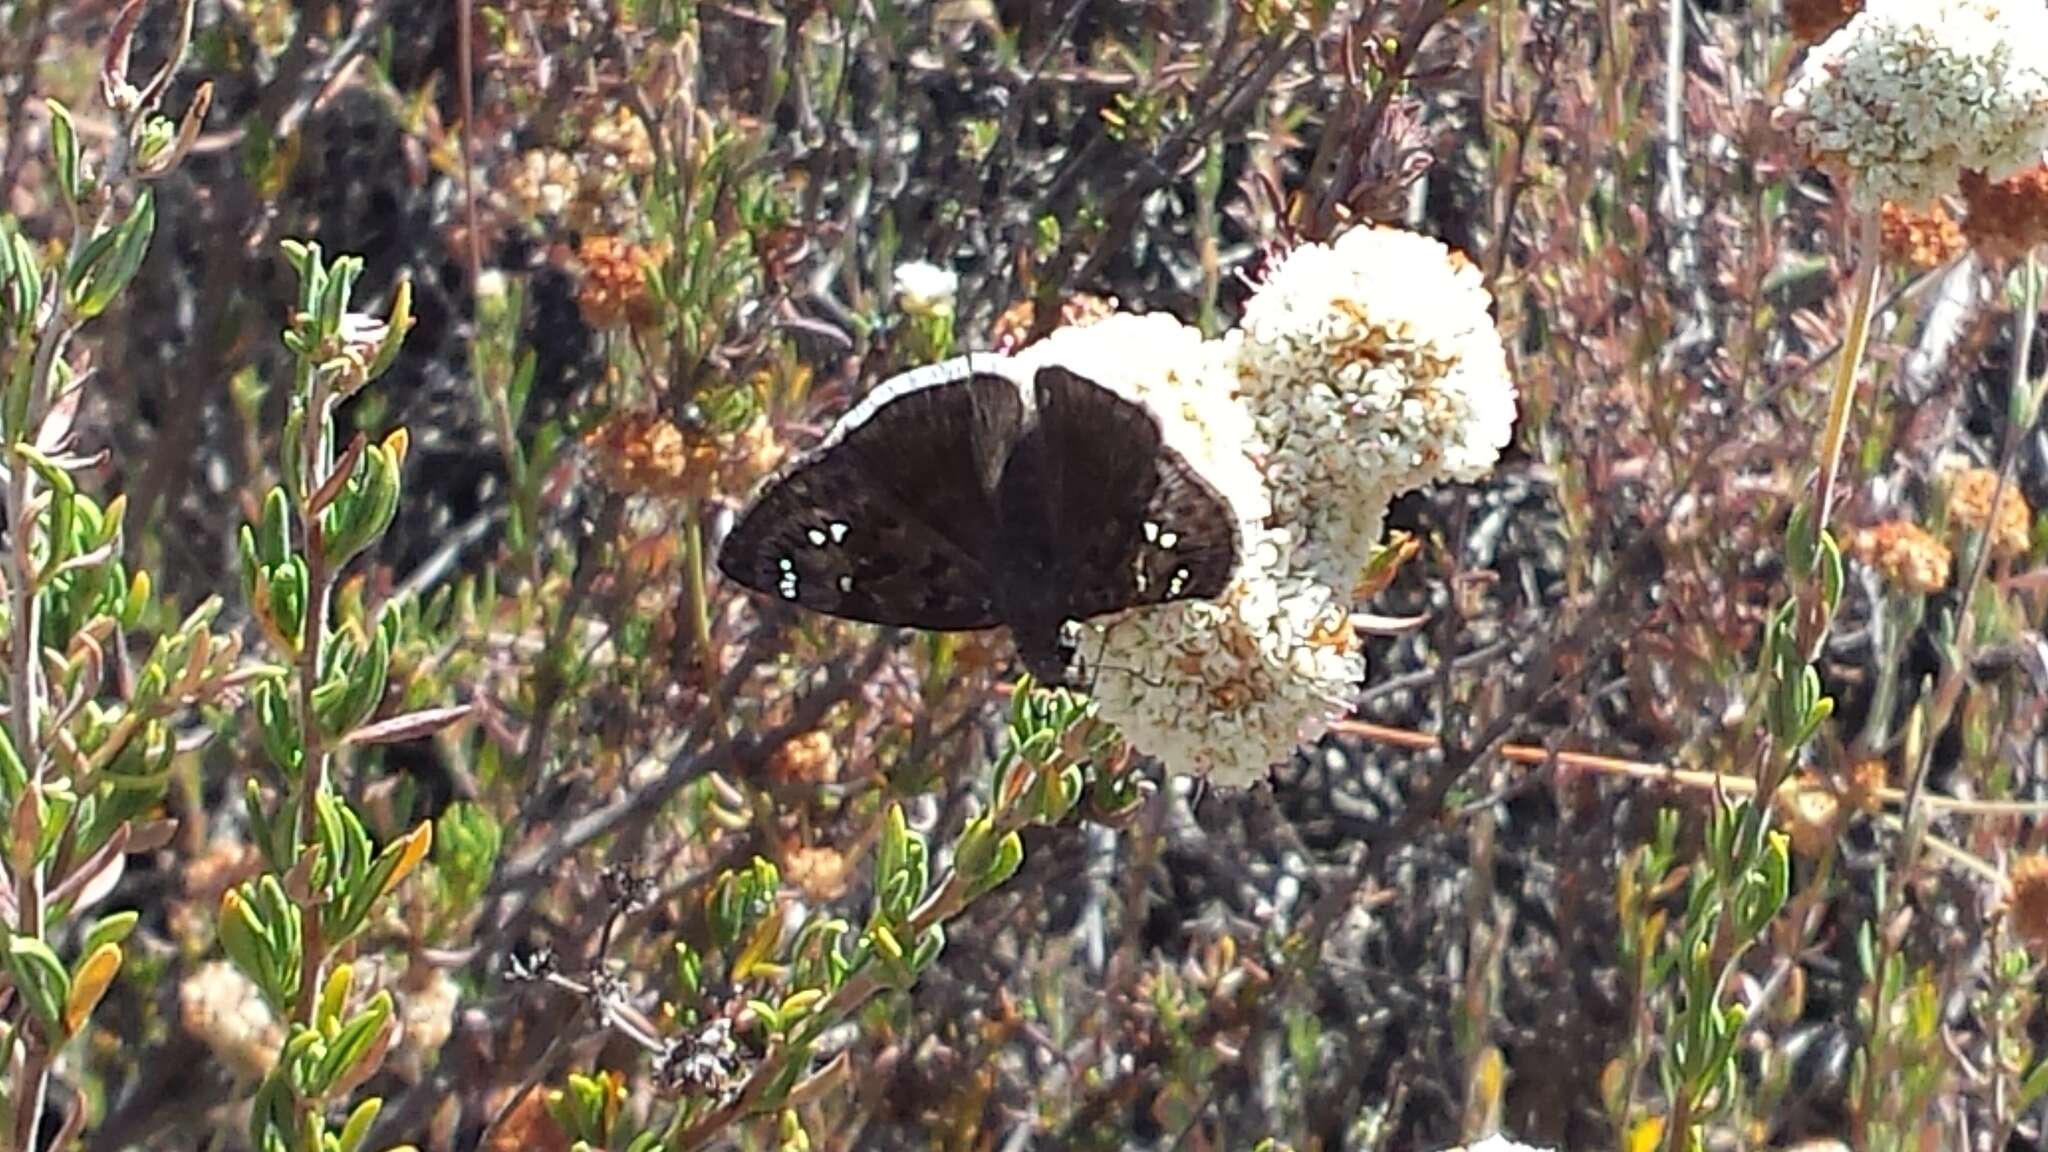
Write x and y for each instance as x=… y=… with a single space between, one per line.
x=1133 y=523
x=890 y=521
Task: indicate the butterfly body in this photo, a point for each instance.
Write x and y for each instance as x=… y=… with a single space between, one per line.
x=967 y=496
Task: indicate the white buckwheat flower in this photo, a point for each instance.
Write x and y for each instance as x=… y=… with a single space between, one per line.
x=1911 y=93
x=1363 y=369
x=924 y=289
x=1230 y=687
x=1225 y=688
x=1371 y=367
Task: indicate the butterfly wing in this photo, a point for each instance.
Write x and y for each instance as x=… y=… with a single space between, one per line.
x=888 y=521
x=1133 y=522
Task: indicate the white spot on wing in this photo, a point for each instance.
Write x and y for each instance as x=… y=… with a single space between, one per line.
x=838 y=530
x=1179 y=581
x=846 y=583
x=1151 y=532
x=816 y=536
x=1168 y=539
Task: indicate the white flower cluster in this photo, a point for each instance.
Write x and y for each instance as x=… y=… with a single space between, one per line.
x=1364 y=369
x=1372 y=368
x=1910 y=93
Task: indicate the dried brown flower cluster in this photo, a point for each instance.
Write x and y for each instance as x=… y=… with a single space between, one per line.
x=2028 y=903
x=642 y=453
x=2007 y=218
x=1811 y=813
x=1012 y=329
x=1920 y=238
x=545 y=183
x=1865 y=784
x=812 y=758
x=639 y=453
x=614 y=293
x=1811 y=21
x=1907 y=556
x=623 y=139
x=2009 y=528
x=819 y=870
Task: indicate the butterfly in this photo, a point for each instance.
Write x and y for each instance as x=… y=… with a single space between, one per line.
x=975 y=494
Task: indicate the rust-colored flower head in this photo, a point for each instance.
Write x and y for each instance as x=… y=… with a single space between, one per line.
x=1906 y=555
x=2008 y=528
x=2028 y=902
x=1920 y=238
x=641 y=453
x=1811 y=814
x=812 y=758
x=614 y=293
x=1012 y=329
x=1812 y=21
x=1864 y=784
x=2006 y=218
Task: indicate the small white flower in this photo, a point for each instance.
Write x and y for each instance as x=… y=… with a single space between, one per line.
x=1371 y=367
x=1910 y=93
x=924 y=289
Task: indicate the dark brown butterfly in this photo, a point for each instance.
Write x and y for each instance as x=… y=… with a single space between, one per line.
x=964 y=496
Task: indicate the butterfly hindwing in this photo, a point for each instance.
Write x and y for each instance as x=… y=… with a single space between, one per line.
x=1134 y=523
x=889 y=521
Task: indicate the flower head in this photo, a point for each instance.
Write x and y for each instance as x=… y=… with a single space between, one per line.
x=2008 y=526
x=1810 y=21
x=1921 y=238
x=223 y=1010
x=1012 y=329
x=1230 y=687
x=924 y=289
x=1372 y=367
x=1906 y=555
x=2007 y=218
x=2028 y=903
x=1811 y=814
x=614 y=292
x=1911 y=93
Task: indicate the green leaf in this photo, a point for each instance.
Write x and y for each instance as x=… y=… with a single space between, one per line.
x=64 y=150
x=107 y=279
x=112 y=928
x=40 y=979
x=2032 y=1088
x=357 y=1128
x=354 y=1044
